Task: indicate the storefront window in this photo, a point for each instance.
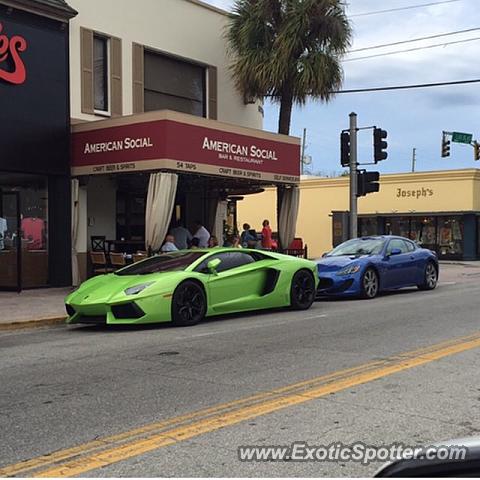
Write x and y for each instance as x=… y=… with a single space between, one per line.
x=450 y=237
x=443 y=234
x=397 y=226
x=478 y=237
x=423 y=231
x=24 y=227
x=368 y=226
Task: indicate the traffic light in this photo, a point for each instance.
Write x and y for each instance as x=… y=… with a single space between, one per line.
x=379 y=145
x=476 y=150
x=445 y=146
x=345 y=149
x=367 y=182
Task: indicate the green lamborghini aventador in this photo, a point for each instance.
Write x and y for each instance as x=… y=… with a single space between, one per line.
x=185 y=286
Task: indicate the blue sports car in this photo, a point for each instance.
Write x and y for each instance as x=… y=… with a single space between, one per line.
x=368 y=265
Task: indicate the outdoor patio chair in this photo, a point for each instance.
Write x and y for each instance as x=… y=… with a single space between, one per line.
x=137 y=257
x=117 y=260
x=99 y=263
x=98 y=243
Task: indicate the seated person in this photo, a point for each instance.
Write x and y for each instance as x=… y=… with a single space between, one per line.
x=195 y=243
x=232 y=241
x=212 y=242
x=169 y=244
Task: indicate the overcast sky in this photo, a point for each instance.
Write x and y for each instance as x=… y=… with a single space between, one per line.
x=413 y=118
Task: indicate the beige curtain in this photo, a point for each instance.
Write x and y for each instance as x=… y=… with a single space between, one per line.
x=288 y=214
x=162 y=188
x=75 y=221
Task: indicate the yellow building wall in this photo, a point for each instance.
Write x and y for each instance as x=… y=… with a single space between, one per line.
x=425 y=192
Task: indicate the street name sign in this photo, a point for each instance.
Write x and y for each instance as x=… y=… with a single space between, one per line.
x=459 y=137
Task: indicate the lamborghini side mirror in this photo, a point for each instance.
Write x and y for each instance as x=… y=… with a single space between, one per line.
x=212 y=265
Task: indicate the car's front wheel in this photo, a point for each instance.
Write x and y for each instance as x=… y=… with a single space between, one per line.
x=189 y=304
x=302 y=290
x=430 y=277
x=370 y=283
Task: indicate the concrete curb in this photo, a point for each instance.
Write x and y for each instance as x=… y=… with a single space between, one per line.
x=24 y=324
x=460 y=263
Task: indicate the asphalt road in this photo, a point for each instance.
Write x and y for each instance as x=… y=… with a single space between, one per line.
x=66 y=387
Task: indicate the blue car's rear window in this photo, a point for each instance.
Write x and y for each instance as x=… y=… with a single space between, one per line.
x=166 y=262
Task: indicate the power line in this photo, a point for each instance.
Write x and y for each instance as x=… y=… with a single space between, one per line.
x=412 y=49
x=407 y=87
x=418 y=39
x=364 y=14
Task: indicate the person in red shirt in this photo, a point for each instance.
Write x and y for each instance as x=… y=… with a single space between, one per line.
x=266 y=235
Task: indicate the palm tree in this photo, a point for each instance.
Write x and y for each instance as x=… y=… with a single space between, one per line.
x=288 y=50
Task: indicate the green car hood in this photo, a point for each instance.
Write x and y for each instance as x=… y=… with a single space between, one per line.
x=111 y=287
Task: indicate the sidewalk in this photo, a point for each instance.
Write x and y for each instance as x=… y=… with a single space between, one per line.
x=32 y=308
x=464 y=263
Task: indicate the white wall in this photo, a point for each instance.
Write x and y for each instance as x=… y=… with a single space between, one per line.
x=180 y=27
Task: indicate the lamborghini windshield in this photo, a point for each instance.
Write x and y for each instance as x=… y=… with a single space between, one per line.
x=358 y=246
x=166 y=262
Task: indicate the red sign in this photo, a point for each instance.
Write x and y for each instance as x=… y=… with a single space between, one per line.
x=10 y=49
x=173 y=145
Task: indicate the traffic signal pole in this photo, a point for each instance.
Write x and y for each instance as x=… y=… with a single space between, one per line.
x=361 y=182
x=353 y=176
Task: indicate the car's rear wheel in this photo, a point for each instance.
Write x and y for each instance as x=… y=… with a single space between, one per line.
x=430 y=277
x=370 y=284
x=189 y=304
x=302 y=290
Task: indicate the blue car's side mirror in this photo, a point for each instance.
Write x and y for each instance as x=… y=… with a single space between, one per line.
x=395 y=251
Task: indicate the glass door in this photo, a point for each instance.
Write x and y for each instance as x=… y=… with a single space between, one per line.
x=10 y=242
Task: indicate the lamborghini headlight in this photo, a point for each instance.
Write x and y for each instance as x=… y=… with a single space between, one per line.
x=138 y=288
x=349 y=270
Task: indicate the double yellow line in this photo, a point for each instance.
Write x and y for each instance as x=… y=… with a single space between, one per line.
x=106 y=451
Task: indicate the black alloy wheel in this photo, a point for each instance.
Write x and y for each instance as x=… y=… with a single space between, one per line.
x=189 y=304
x=302 y=291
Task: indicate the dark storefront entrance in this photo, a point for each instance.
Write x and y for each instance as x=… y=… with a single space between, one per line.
x=35 y=249
x=23 y=208
x=197 y=197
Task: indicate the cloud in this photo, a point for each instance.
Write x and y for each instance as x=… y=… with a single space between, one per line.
x=413 y=118
x=225 y=4
x=457 y=100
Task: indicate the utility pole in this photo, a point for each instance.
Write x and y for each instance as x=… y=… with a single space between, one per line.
x=414 y=159
x=353 y=175
x=303 y=149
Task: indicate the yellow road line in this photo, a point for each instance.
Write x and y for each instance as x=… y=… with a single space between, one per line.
x=103 y=452
x=65 y=454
